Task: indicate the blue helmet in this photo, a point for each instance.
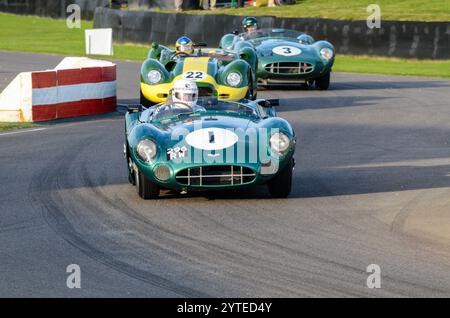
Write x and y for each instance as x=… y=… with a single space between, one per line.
x=184 y=45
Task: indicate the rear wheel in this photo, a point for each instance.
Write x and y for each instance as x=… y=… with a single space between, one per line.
x=145 y=102
x=323 y=82
x=280 y=186
x=146 y=189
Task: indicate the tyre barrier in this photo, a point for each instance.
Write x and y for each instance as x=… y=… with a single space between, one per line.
x=405 y=39
x=76 y=87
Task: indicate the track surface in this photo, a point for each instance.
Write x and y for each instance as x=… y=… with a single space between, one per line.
x=372 y=185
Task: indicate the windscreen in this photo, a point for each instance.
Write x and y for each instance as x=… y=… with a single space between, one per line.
x=204 y=104
x=270 y=33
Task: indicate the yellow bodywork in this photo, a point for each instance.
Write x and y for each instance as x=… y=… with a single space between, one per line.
x=159 y=93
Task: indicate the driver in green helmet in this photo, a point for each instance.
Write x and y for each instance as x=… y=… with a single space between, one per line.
x=250 y=24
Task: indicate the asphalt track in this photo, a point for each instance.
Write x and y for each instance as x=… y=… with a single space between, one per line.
x=371 y=186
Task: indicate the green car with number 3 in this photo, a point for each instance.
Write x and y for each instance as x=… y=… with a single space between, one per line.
x=215 y=145
x=286 y=56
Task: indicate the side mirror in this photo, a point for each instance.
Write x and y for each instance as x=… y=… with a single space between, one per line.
x=135 y=108
x=268 y=102
x=235 y=32
x=274 y=102
x=200 y=44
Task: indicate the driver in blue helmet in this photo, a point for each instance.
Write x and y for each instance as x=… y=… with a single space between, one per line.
x=184 y=45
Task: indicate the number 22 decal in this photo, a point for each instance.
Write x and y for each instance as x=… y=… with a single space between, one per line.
x=195 y=75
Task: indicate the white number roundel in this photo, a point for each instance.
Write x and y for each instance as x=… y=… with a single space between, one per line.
x=211 y=138
x=195 y=75
x=286 y=50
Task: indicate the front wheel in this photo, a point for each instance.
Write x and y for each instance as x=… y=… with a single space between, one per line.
x=252 y=89
x=146 y=189
x=280 y=186
x=323 y=82
x=131 y=174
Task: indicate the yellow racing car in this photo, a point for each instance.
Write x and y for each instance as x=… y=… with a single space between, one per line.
x=229 y=75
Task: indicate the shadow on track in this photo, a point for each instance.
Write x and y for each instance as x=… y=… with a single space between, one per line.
x=327 y=102
x=365 y=84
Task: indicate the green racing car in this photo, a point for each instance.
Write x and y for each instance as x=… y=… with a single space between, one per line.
x=215 y=145
x=286 y=56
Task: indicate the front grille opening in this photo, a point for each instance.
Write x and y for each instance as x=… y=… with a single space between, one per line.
x=289 y=68
x=205 y=91
x=215 y=176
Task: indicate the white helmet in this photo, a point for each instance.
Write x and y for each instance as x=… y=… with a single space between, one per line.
x=185 y=91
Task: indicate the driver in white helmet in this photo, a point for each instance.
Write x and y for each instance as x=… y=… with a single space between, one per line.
x=183 y=99
x=185 y=92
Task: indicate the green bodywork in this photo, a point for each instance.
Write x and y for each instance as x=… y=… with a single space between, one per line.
x=273 y=38
x=140 y=125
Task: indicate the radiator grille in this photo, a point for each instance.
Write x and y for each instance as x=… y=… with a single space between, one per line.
x=215 y=175
x=289 y=68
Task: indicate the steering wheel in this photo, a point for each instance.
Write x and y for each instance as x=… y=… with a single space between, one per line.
x=181 y=54
x=184 y=106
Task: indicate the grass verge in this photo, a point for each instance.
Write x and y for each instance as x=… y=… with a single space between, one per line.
x=392 y=66
x=44 y=35
x=13 y=126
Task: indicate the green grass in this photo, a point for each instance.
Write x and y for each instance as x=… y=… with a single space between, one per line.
x=392 y=66
x=12 y=126
x=412 y=10
x=44 y=35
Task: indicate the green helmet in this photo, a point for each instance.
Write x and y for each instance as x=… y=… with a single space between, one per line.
x=250 y=23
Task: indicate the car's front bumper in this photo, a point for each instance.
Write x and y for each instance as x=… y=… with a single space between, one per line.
x=241 y=175
x=271 y=71
x=159 y=93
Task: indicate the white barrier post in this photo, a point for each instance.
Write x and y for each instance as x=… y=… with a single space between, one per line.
x=99 y=42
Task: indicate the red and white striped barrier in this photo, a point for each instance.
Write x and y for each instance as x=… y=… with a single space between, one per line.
x=76 y=87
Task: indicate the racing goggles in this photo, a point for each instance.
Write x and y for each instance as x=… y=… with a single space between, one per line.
x=186 y=97
x=185 y=48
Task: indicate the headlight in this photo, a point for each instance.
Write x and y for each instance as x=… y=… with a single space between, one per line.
x=146 y=150
x=279 y=143
x=326 y=53
x=234 y=79
x=154 y=76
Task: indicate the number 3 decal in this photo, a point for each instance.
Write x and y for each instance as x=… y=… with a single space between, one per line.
x=287 y=50
x=195 y=75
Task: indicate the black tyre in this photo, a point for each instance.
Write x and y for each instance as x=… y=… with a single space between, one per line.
x=131 y=174
x=146 y=189
x=252 y=90
x=280 y=186
x=131 y=179
x=323 y=82
x=145 y=102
